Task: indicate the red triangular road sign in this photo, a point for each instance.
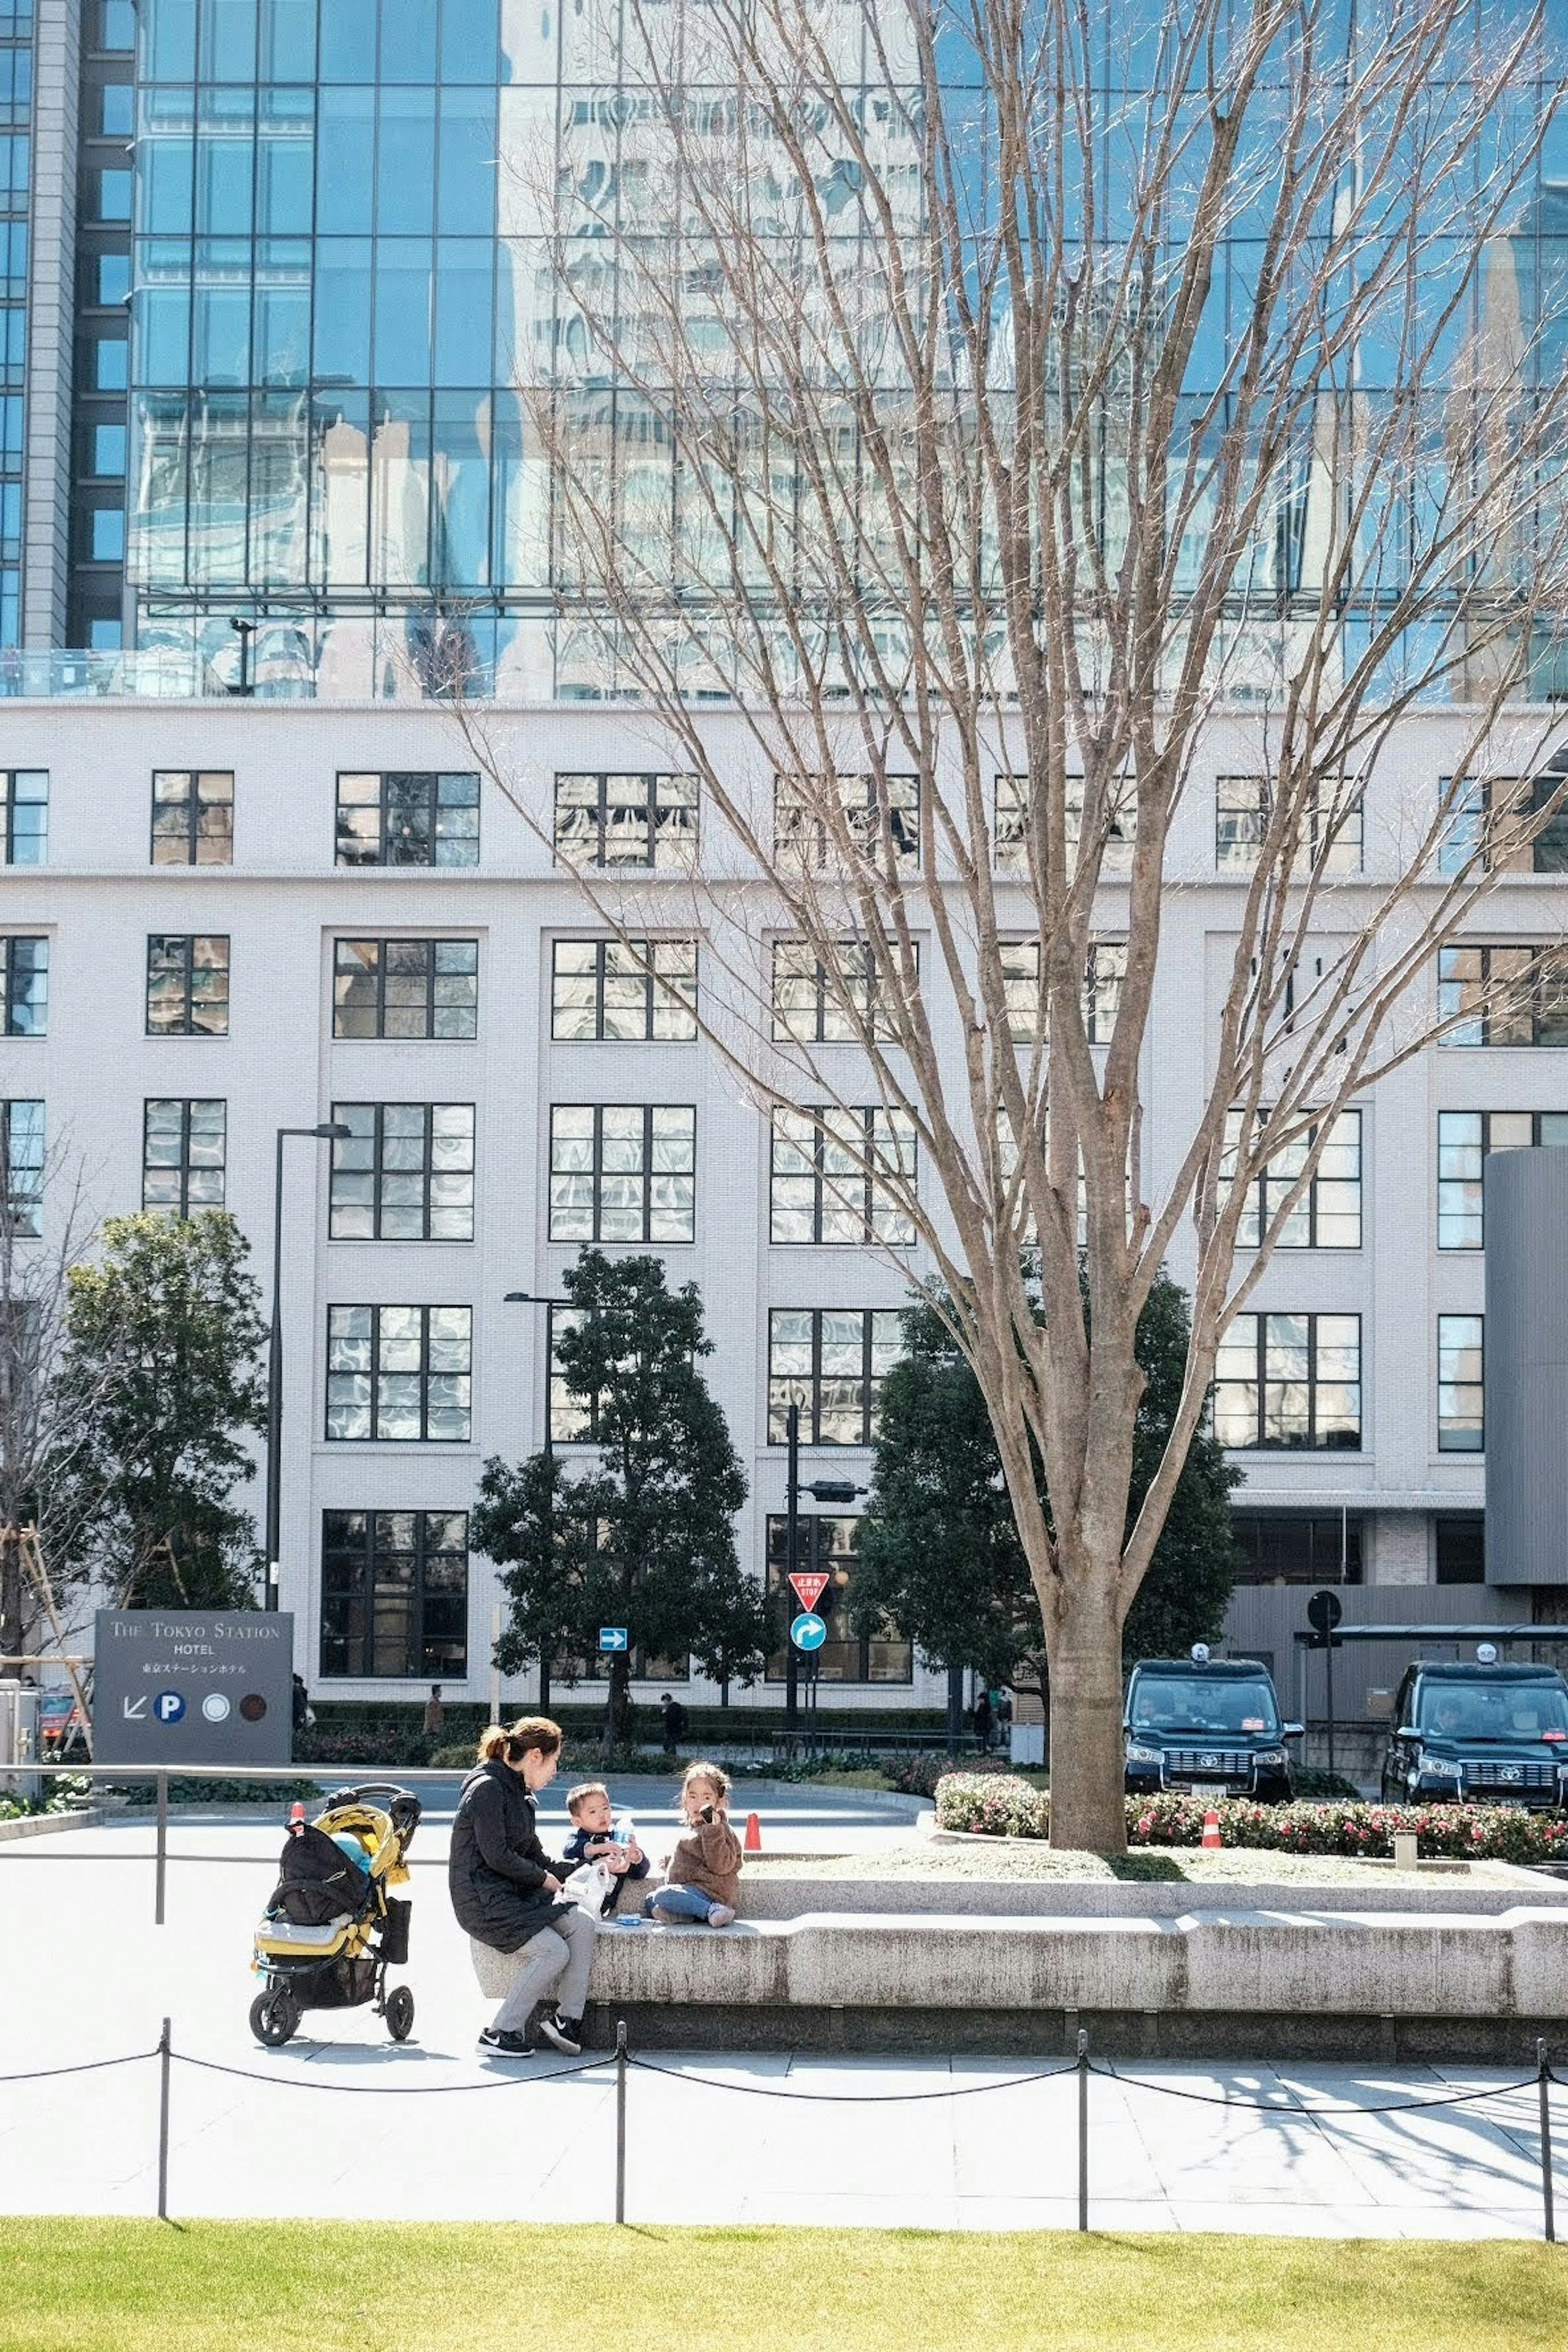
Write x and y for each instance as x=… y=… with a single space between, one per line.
x=809 y=1585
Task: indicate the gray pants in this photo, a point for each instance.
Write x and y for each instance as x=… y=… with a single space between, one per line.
x=564 y=1951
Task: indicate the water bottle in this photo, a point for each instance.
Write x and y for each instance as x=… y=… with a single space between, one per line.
x=624 y=1831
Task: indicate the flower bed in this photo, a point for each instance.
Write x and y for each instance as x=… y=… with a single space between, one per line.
x=1003 y=1807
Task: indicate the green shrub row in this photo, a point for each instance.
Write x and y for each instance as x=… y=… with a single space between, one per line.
x=998 y=1806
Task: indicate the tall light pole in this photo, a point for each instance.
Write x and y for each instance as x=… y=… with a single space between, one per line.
x=821 y=1490
x=331 y=1130
x=539 y=1299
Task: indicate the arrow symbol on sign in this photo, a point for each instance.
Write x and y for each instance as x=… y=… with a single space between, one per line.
x=134 y=1709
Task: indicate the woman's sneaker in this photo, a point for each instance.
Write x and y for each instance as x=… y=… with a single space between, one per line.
x=720 y=1914
x=499 y=2044
x=564 y=2032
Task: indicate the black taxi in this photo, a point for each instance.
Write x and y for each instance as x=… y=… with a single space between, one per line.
x=1207 y=1727
x=1480 y=1732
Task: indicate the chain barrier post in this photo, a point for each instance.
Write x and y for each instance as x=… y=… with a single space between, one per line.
x=1082 y=2129
x=163 y=1849
x=1543 y=2080
x=165 y=2056
x=620 y=2120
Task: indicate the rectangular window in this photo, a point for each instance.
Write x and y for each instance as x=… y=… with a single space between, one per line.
x=184 y=1148
x=1104 y=974
x=823 y=1173
x=813 y=1006
x=1495 y=824
x=399 y=1375
x=26 y=792
x=625 y=820
x=1465 y=1138
x=623 y=991
x=623 y=1172
x=830 y=1546
x=22 y=1166
x=1290 y=1380
x=1461 y=1419
x=403 y=1173
x=394 y=1594
x=1459 y=1540
x=1011 y=824
x=1299 y=1547
x=1328 y=1215
x=25 y=987
x=1504 y=995
x=408 y=817
x=405 y=988
x=877 y=813
x=193 y=817
x=188 y=985
x=831 y=1362
x=1244 y=805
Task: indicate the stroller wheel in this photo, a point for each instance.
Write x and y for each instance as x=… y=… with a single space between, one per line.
x=274 y=2018
x=400 y=2013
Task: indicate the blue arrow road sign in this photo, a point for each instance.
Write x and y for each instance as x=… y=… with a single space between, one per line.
x=808 y=1632
x=612 y=1637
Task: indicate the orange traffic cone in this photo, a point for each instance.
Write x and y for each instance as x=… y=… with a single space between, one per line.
x=753 y=1840
x=1211 y=1829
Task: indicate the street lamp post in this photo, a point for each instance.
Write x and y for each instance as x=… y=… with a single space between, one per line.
x=539 y=1299
x=329 y=1131
x=821 y=1490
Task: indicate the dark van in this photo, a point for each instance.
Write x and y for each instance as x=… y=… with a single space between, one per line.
x=1207 y=1727
x=1480 y=1734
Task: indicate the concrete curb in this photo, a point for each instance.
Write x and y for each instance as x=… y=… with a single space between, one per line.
x=779 y=1895
x=44 y=1825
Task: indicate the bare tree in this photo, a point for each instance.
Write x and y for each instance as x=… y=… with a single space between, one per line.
x=938 y=460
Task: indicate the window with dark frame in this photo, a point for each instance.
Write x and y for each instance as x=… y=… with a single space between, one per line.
x=193 y=817
x=184 y=1148
x=1105 y=971
x=22 y=1166
x=1289 y=1382
x=24 y=987
x=1459 y=1546
x=1503 y=994
x=399 y=1375
x=1466 y=1139
x=623 y=1172
x=405 y=988
x=831 y=1547
x=1299 y=1547
x=1461 y=1384
x=25 y=794
x=877 y=812
x=394 y=1595
x=1245 y=804
x=1480 y=806
x=403 y=1173
x=1010 y=824
x=187 y=985
x=612 y=819
x=824 y=1185
x=831 y=1362
x=406 y=816
x=812 y=1008
x=606 y=991
x=1328 y=1215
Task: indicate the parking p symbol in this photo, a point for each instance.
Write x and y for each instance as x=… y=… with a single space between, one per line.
x=168 y=1707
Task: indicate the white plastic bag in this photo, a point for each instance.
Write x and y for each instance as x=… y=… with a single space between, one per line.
x=590 y=1887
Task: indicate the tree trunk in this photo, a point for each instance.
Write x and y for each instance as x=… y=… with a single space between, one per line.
x=616 y=1702
x=1087 y=1811
x=10 y=1596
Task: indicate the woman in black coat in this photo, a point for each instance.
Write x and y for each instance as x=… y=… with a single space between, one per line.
x=505 y=1890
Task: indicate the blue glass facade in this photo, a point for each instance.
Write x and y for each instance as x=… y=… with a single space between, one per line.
x=15 y=188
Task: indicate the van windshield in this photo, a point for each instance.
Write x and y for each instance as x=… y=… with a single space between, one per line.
x=1194 y=1703
x=1503 y=1712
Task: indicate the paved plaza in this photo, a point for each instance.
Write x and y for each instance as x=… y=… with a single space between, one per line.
x=342 y=2124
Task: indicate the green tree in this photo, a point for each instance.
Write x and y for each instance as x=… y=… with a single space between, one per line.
x=640 y=1531
x=939 y=1545
x=164 y=1339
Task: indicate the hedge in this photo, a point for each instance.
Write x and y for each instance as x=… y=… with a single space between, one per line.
x=1005 y=1807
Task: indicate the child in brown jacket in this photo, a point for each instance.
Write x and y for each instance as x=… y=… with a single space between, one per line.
x=705 y=1868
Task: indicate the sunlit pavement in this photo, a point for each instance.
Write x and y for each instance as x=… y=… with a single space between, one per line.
x=341 y=2122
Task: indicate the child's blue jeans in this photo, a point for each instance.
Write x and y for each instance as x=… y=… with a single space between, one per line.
x=680 y=1902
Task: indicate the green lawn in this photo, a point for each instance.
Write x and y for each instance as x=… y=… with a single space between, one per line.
x=130 y=2286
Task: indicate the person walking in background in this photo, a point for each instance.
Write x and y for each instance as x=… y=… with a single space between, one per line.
x=435 y=1714
x=672 y=1716
x=983 y=1723
x=505 y=1890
